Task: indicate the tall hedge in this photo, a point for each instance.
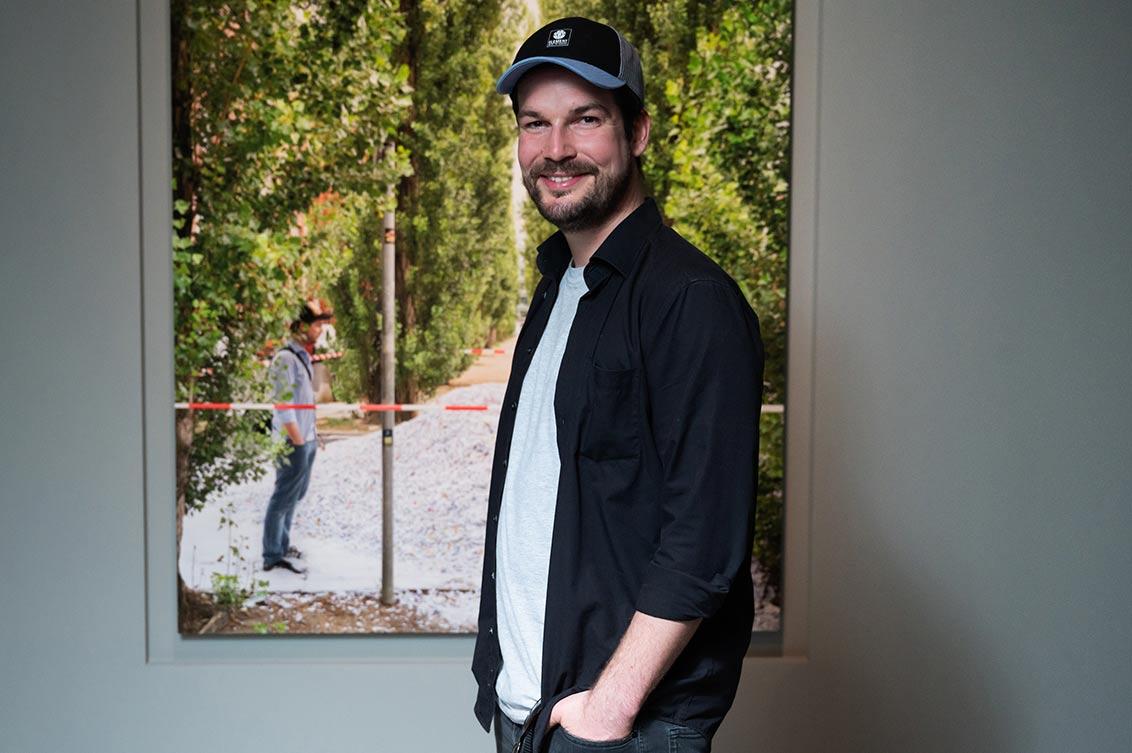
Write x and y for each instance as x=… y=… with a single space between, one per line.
x=456 y=272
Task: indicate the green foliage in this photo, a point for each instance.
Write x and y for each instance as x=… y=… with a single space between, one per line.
x=537 y=230
x=460 y=281
x=456 y=269
x=227 y=593
x=769 y=510
x=226 y=588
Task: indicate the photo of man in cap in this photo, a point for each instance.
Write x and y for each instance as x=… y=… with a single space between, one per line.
x=293 y=383
x=616 y=600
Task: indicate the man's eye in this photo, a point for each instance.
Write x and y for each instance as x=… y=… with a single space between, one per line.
x=589 y=120
x=532 y=124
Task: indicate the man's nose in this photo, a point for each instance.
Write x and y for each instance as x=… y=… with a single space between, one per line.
x=559 y=145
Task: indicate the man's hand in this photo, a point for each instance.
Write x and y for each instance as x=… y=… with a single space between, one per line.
x=608 y=709
x=293 y=433
x=583 y=718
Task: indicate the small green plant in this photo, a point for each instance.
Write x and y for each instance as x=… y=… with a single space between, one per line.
x=263 y=628
x=229 y=594
x=227 y=591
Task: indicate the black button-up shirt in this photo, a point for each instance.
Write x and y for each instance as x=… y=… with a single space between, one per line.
x=657 y=402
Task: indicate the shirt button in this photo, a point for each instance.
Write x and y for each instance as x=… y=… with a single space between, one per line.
x=514 y=405
x=504 y=461
x=493 y=576
x=490 y=631
x=494 y=519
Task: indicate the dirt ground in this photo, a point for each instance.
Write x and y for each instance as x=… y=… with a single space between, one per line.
x=486 y=368
x=326 y=613
x=352 y=613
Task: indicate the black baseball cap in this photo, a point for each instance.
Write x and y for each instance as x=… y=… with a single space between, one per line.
x=594 y=51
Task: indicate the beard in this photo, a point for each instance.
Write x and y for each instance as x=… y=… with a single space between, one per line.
x=588 y=210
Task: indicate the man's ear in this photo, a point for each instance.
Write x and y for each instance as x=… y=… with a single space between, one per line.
x=641 y=128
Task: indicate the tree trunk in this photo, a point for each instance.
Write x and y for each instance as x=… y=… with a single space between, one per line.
x=184 y=171
x=408 y=195
x=184 y=437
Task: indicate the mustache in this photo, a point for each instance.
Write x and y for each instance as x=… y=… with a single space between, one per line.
x=572 y=166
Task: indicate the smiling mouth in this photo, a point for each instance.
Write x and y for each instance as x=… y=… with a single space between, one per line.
x=562 y=181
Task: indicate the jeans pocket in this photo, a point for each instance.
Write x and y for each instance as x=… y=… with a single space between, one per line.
x=561 y=740
x=664 y=736
x=686 y=740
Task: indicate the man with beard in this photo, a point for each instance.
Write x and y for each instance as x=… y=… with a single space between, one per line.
x=617 y=602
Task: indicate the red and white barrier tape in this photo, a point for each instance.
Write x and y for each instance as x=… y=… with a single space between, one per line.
x=363 y=407
x=319 y=357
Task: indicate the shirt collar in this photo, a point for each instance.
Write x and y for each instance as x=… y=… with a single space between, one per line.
x=619 y=249
x=300 y=349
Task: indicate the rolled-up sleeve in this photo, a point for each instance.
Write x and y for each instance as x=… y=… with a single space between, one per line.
x=283 y=380
x=704 y=367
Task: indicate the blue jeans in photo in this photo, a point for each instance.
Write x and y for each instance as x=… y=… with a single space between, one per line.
x=292 y=477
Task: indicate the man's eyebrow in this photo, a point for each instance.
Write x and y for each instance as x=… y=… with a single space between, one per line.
x=594 y=105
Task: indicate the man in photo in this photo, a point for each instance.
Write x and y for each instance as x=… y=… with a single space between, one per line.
x=617 y=602
x=292 y=377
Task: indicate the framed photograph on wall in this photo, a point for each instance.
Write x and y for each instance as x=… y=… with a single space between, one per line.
x=313 y=142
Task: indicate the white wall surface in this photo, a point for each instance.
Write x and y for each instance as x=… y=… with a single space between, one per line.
x=962 y=233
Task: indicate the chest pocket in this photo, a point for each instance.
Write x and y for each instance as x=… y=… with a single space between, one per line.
x=611 y=426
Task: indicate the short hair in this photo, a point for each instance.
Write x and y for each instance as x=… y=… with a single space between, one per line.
x=629 y=107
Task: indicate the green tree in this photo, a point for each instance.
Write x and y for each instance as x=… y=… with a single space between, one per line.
x=456 y=275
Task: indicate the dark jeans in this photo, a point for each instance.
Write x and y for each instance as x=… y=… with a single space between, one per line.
x=292 y=477
x=648 y=736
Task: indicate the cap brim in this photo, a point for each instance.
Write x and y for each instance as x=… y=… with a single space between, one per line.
x=593 y=74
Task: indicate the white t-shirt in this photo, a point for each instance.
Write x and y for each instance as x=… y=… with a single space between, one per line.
x=526 y=515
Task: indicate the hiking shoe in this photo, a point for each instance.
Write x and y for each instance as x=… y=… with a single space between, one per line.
x=294 y=552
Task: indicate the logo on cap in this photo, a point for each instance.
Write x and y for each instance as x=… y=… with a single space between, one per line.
x=559 y=38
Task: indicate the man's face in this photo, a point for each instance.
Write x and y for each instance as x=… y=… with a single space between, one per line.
x=576 y=163
x=309 y=333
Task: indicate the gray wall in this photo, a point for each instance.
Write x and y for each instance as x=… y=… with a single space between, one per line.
x=962 y=356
